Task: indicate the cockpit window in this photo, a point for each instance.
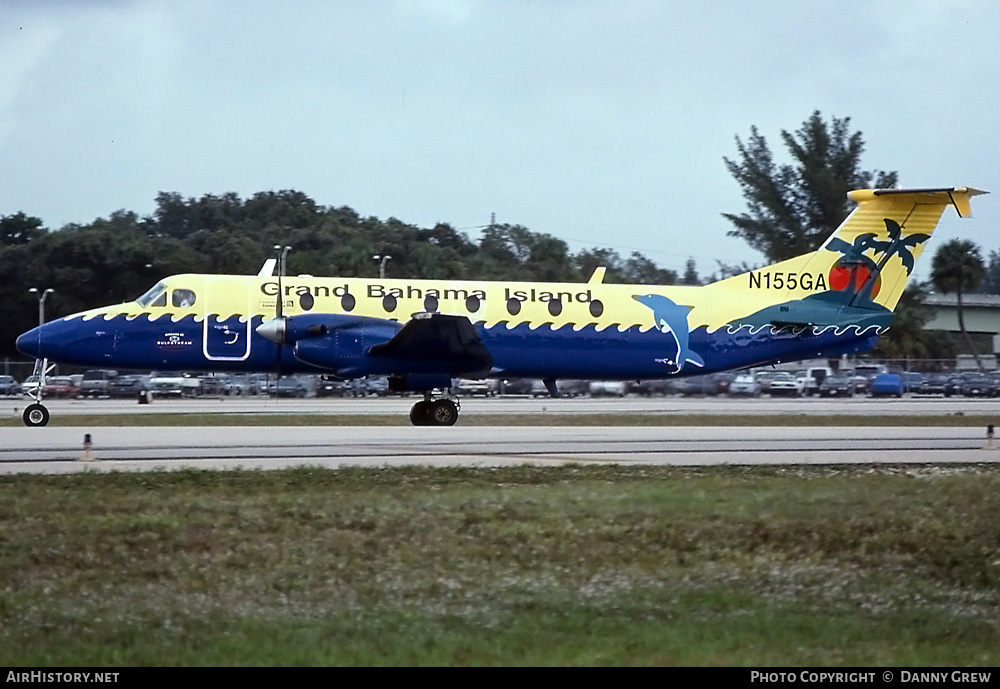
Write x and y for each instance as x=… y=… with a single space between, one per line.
x=156 y=296
x=183 y=298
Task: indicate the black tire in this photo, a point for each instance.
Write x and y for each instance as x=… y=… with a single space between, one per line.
x=442 y=413
x=35 y=415
x=419 y=414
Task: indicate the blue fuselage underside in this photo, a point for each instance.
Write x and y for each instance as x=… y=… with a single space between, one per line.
x=521 y=351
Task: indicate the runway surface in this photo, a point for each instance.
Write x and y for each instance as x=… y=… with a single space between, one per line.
x=53 y=450
x=12 y=406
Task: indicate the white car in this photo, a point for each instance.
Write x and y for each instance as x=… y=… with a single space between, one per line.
x=607 y=388
x=470 y=387
x=745 y=385
x=174 y=384
x=785 y=384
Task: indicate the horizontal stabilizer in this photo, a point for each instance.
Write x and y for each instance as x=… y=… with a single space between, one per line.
x=955 y=196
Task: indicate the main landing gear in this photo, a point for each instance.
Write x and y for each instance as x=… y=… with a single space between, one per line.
x=434 y=412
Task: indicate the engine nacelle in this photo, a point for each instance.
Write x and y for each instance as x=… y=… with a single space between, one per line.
x=336 y=341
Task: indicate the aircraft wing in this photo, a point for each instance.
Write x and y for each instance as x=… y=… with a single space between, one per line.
x=435 y=338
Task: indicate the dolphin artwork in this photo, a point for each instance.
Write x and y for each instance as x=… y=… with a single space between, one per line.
x=672 y=317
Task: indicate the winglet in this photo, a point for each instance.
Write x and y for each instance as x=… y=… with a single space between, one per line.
x=598 y=277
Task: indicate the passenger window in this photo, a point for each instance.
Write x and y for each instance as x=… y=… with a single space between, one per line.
x=183 y=298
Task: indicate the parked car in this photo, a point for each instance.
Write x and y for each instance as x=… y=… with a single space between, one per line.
x=129 y=385
x=995 y=379
x=567 y=388
x=721 y=382
x=954 y=384
x=246 y=384
x=764 y=377
x=174 y=384
x=784 y=384
x=695 y=385
x=215 y=384
x=837 y=385
x=376 y=386
x=287 y=386
x=515 y=386
x=645 y=388
x=328 y=386
x=912 y=380
x=977 y=386
x=607 y=388
x=9 y=386
x=471 y=387
x=745 y=385
x=861 y=383
x=574 y=388
x=869 y=371
x=932 y=384
x=812 y=379
x=59 y=386
x=887 y=385
x=97 y=382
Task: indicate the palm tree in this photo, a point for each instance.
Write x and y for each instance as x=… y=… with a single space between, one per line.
x=958 y=267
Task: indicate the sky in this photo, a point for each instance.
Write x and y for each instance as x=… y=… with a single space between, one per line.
x=601 y=122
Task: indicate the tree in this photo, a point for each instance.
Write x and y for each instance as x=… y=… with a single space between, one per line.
x=958 y=267
x=792 y=209
x=907 y=338
x=19 y=229
x=639 y=270
x=991 y=275
x=690 y=273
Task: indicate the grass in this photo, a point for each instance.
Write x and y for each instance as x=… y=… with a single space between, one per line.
x=956 y=420
x=579 y=565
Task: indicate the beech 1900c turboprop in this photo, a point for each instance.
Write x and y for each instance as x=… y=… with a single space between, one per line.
x=422 y=333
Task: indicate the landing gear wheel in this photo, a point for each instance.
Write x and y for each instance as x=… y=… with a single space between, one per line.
x=35 y=415
x=443 y=413
x=419 y=414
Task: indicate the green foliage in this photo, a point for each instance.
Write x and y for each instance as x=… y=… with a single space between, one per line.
x=958 y=267
x=19 y=229
x=991 y=275
x=907 y=338
x=690 y=273
x=792 y=209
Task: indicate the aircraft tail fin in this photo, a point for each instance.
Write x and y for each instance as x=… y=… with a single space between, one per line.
x=870 y=257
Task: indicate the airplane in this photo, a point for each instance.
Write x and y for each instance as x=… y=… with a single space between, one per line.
x=423 y=333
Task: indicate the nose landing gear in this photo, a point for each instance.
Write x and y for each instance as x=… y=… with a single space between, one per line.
x=35 y=414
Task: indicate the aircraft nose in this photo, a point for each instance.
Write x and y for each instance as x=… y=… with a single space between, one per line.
x=30 y=343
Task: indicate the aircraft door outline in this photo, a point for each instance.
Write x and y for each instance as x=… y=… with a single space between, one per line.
x=227 y=339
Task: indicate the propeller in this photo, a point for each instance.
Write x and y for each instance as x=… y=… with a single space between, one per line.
x=275 y=329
